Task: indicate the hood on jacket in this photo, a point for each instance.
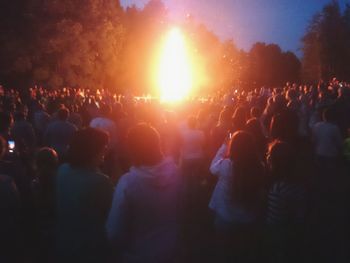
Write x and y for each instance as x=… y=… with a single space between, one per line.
x=160 y=175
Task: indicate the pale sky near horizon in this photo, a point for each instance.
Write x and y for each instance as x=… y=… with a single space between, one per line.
x=247 y=21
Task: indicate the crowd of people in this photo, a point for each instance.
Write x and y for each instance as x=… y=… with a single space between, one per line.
x=258 y=176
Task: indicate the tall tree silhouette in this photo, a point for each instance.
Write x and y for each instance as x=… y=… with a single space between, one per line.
x=325 y=45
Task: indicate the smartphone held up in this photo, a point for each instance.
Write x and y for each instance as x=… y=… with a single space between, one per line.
x=11 y=146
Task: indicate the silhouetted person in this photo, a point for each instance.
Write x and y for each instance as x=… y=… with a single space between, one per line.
x=9 y=215
x=286 y=207
x=143 y=220
x=83 y=198
x=59 y=133
x=238 y=198
x=43 y=189
x=23 y=133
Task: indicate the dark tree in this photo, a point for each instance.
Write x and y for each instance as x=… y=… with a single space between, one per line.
x=325 y=45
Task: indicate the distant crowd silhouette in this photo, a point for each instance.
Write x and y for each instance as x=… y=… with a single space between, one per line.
x=258 y=176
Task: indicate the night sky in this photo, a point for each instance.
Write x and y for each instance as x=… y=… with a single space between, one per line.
x=248 y=21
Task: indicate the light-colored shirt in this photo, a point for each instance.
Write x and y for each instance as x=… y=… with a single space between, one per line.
x=143 y=216
x=327 y=139
x=221 y=200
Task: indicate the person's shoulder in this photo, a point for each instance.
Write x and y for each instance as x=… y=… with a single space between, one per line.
x=69 y=125
x=63 y=169
x=129 y=177
x=102 y=180
x=94 y=121
x=52 y=124
x=318 y=125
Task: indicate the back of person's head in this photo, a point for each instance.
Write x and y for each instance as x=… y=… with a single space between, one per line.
x=247 y=170
x=46 y=161
x=242 y=147
x=284 y=126
x=87 y=148
x=255 y=112
x=19 y=116
x=63 y=114
x=239 y=118
x=292 y=94
x=281 y=160
x=328 y=115
x=277 y=127
x=225 y=116
x=3 y=147
x=253 y=127
x=105 y=110
x=144 y=145
x=192 y=122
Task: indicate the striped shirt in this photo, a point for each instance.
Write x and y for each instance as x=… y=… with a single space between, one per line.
x=286 y=203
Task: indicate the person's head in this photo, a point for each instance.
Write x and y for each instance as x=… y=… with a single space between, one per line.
x=253 y=126
x=276 y=127
x=46 y=161
x=280 y=159
x=239 y=118
x=144 y=145
x=3 y=147
x=279 y=102
x=242 y=147
x=62 y=114
x=284 y=126
x=105 y=110
x=225 y=116
x=328 y=115
x=20 y=116
x=292 y=94
x=247 y=170
x=192 y=122
x=87 y=148
x=255 y=112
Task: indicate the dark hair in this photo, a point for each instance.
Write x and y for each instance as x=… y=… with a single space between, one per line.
x=144 y=145
x=225 y=116
x=105 y=110
x=253 y=126
x=276 y=127
x=292 y=94
x=239 y=118
x=19 y=115
x=63 y=114
x=281 y=159
x=328 y=115
x=284 y=126
x=255 y=112
x=247 y=182
x=85 y=146
x=3 y=147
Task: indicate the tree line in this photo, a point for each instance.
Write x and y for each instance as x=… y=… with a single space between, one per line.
x=326 y=44
x=98 y=44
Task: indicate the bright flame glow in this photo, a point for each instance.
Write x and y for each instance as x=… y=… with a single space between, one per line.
x=174 y=75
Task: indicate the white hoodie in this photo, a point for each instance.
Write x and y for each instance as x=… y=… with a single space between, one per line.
x=144 y=213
